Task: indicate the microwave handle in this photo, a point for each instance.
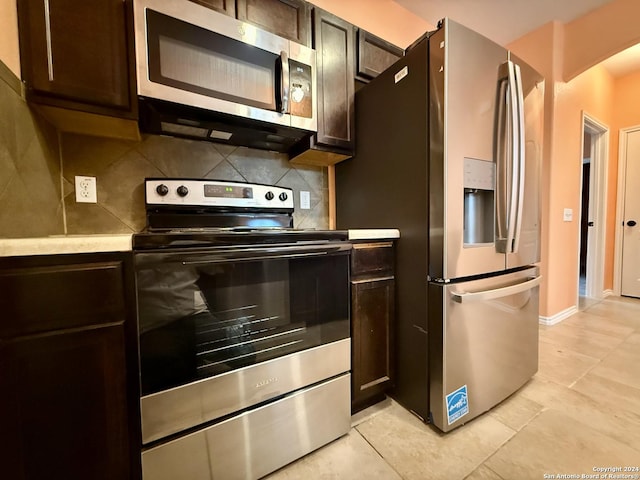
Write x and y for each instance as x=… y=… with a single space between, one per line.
x=282 y=99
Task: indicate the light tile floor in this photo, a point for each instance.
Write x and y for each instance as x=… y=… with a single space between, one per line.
x=580 y=412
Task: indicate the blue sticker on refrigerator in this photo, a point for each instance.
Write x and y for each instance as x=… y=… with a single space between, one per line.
x=457 y=404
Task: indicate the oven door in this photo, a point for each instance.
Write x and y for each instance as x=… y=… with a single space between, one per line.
x=191 y=55
x=225 y=328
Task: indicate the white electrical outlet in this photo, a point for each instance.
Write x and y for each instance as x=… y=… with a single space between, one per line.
x=567 y=215
x=86 y=190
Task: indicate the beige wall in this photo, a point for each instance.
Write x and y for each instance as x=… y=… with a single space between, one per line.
x=627 y=101
x=384 y=18
x=9 y=51
x=592 y=92
x=564 y=52
x=599 y=34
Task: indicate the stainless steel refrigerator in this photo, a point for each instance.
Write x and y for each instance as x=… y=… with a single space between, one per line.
x=449 y=146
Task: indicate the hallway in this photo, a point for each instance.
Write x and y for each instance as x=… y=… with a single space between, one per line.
x=579 y=413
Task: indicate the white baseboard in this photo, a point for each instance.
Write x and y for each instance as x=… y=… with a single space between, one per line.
x=558 y=317
x=607 y=293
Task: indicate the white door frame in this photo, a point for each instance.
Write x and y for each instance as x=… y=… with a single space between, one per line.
x=597 y=205
x=622 y=174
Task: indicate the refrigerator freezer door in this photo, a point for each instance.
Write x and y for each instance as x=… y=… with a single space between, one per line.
x=483 y=345
x=464 y=79
x=526 y=248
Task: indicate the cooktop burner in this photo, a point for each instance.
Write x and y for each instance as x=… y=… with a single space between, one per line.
x=212 y=238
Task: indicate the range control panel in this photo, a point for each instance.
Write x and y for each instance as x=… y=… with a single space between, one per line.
x=176 y=191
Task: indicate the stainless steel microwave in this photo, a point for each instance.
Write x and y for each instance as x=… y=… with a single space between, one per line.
x=221 y=71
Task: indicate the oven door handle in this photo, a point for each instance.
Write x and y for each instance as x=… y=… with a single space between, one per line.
x=247 y=254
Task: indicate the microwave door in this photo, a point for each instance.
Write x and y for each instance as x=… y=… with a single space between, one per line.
x=194 y=56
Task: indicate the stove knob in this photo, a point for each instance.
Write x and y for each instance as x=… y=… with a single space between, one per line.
x=182 y=191
x=162 y=189
x=283 y=196
x=269 y=196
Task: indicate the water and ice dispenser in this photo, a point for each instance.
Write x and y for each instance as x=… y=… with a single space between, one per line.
x=479 y=201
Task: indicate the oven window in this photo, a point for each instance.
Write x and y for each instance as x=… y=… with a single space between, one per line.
x=201 y=320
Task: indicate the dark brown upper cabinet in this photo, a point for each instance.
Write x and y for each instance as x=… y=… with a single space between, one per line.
x=287 y=18
x=334 y=43
x=228 y=7
x=74 y=54
x=375 y=55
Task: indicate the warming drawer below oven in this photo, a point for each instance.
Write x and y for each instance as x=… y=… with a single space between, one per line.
x=259 y=441
x=172 y=411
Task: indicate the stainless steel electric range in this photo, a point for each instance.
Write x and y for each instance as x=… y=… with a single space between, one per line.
x=243 y=331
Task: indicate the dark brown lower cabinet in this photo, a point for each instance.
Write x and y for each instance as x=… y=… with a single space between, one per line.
x=68 y=396
x=372 y=318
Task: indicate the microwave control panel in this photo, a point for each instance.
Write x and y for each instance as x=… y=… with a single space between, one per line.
x=300 y=89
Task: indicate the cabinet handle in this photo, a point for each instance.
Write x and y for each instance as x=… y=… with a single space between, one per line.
x=47 y=31
x=373 y=280
x=358 y=246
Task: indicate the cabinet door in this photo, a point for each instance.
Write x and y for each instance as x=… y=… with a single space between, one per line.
x=287 y=18
x=69 y=383
x=64 y=406
x=372 y=336
x=372 y=259
x=76 y=50
x=44 y=297
x=228 y=7
x=334 y=45
x=375 y=55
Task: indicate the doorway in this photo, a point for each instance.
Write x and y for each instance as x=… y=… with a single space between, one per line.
x=627 y=260
x=595 y=140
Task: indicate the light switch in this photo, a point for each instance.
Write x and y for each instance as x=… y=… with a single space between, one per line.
x=568 y=215
x=305 y=200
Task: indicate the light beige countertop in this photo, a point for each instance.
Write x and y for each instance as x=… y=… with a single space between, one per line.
x=61 y=244
x=58 y=244
x=374 y=234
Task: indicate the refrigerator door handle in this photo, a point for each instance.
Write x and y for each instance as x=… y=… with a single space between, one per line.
x=466 y=297
x=500 y=149
x=521 y=155
x=515 y=150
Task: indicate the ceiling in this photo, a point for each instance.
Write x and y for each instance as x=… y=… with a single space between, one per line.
x=623 y=63
x=506 y=20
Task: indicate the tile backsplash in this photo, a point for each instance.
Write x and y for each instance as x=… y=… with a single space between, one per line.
x=30 y=198
x=38 y=165
x=120 y=168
